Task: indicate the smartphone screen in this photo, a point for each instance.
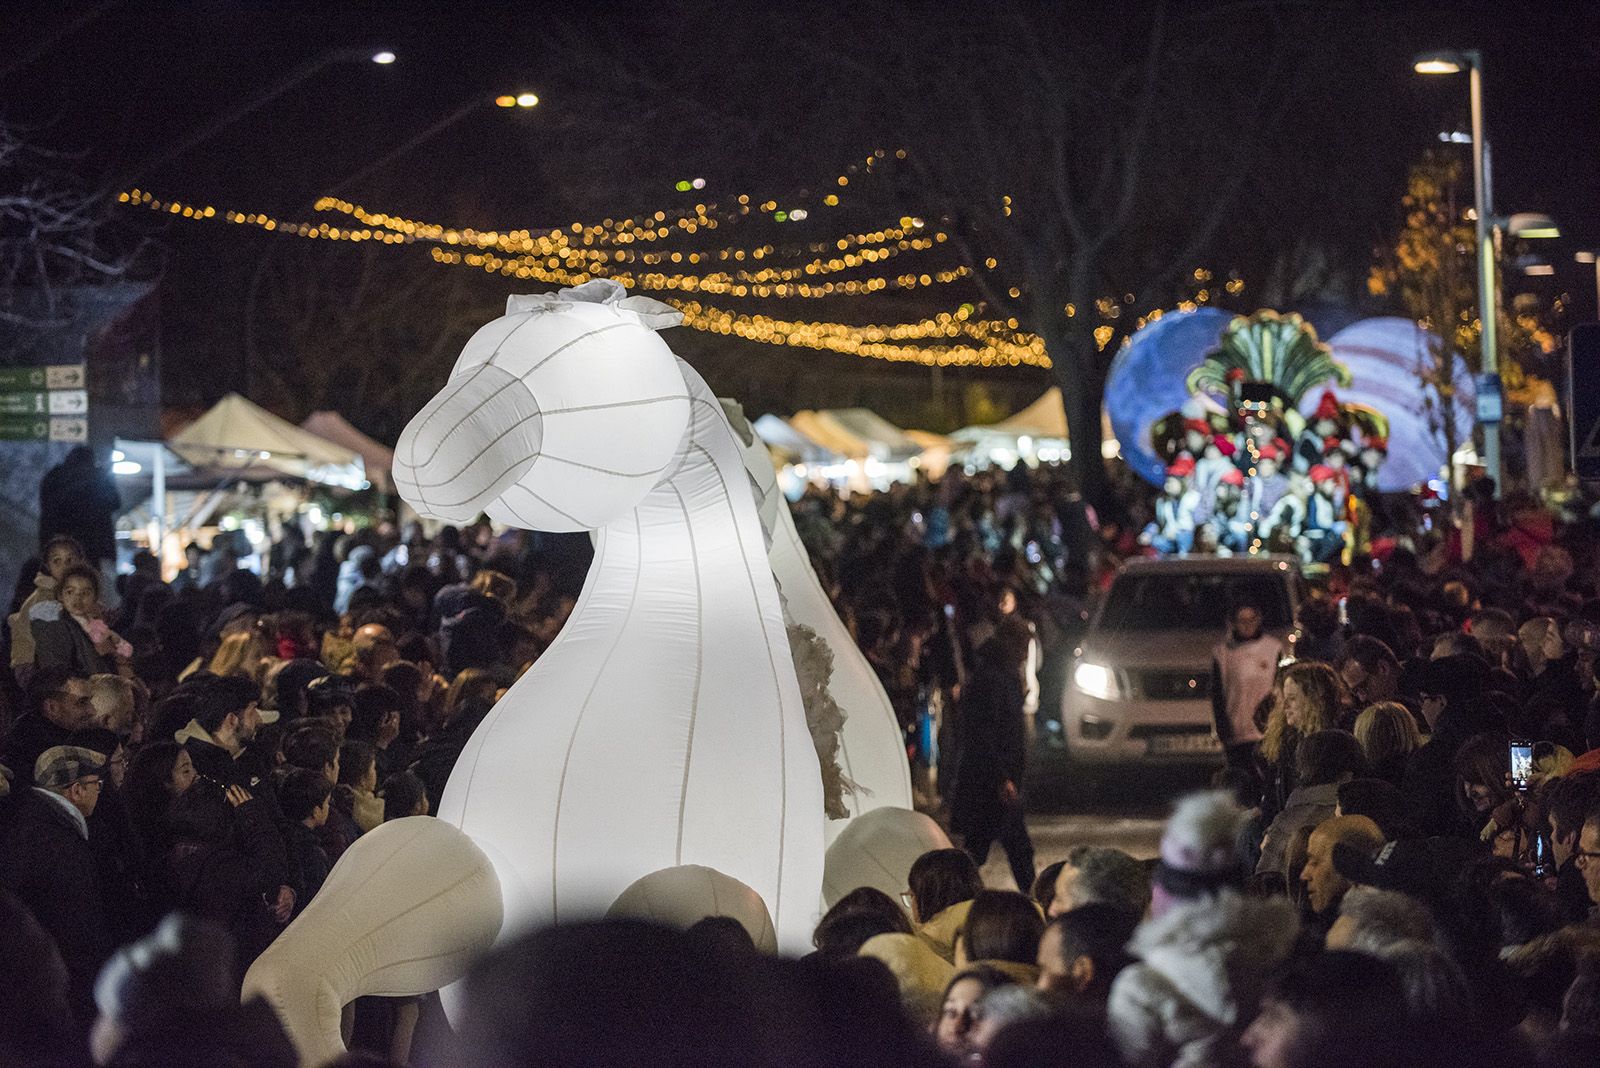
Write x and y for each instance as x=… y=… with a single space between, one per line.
x=1521 y=764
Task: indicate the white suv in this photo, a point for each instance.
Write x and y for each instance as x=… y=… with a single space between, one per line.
x=1140 y=686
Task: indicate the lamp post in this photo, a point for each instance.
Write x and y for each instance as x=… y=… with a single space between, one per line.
x=1447 y=62
x=1588 y=256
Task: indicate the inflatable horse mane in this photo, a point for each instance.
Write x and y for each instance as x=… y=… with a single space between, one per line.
x=662 y=729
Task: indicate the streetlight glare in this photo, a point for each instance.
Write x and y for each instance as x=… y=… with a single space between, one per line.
x=1444 y=61
x=526 y=100
x=1532 y=224
x=505 y=101
x=383 y=58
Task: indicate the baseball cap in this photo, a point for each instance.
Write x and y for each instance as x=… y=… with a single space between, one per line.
x=1420 y=867
x=62 y=765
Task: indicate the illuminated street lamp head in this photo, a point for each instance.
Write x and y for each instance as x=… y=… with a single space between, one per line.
x=383 y=58
x=526 y=100
x=1446 y=61
x=1532 y=224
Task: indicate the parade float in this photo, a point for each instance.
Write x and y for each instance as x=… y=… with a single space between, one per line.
x=1263 y=450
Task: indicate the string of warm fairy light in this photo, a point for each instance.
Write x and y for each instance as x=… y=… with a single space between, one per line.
x=582 y=240
x=998 y=344
x=722 y=284
x=657 y=226
x=549 y=264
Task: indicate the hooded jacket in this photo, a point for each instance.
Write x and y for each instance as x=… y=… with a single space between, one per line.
x=1307 y=807
x=1197 y=979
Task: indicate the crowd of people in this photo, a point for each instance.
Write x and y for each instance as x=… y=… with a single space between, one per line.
x=1370 y=881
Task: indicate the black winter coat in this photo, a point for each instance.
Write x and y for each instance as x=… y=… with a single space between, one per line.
x=232 y=882
x=49 y=865
x=309 y=861
x=991 y=747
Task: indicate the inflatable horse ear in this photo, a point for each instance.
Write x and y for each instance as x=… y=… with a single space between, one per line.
x=561 y=415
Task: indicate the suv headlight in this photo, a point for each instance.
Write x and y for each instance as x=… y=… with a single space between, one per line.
x=1096 y=680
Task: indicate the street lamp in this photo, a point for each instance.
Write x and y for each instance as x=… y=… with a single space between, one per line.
x=1529 y=224
x=1452 y=62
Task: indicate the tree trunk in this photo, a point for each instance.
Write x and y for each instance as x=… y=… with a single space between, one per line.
x=1075 y=365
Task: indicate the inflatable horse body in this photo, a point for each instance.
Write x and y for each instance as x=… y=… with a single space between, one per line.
x=663 y=727
x=872 y=748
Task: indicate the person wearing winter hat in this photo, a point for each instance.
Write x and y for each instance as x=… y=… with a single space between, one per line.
x=1172 y=529
x=1225 y=512
x=1202 y=955
x=1324 y=528
x=172 y=995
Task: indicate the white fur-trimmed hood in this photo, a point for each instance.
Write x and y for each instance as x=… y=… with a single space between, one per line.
x=1205 y=948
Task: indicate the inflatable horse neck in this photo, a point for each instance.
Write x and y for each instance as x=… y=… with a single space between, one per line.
x=664 y=727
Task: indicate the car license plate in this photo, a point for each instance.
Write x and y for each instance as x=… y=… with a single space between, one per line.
x=1167 y=744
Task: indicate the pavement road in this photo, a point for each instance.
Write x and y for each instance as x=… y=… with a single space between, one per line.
x=1070 y=806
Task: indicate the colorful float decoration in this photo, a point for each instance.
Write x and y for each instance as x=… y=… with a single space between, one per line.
x=1246 y=471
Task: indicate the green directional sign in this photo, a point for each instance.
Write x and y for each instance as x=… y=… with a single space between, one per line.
x=22 y=378
x=18 y=428
x=33 y=403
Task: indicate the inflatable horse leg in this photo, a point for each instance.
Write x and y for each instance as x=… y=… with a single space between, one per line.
x=405 y=910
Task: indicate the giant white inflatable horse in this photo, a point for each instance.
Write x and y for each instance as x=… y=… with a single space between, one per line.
x=663 y=727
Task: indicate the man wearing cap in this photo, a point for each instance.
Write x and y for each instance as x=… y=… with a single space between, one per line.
x=218 y=739
x=59 y=708
x=1449 y=689
x=1205 y=951
x=1425 y=868
x=45 y=859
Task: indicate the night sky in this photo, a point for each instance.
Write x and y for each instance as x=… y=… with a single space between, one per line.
x=127 y=81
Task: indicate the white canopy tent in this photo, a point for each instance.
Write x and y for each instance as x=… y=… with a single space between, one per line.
x=1036 y=433
x=243 y=441
x=873 y=451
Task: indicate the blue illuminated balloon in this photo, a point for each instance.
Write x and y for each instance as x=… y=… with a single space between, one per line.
x=1146 y=381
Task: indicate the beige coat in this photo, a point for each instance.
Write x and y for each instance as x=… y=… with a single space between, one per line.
x=22 y=649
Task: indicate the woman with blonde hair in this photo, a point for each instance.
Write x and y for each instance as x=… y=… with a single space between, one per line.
x=1388 y=734
x=240 y=653
x=1309 y=701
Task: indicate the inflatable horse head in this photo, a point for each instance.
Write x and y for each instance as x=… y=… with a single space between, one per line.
x=561 y=415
